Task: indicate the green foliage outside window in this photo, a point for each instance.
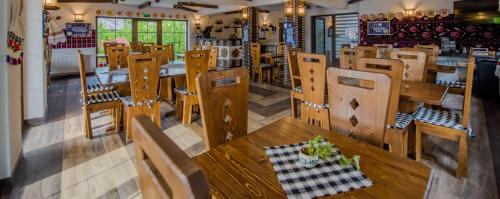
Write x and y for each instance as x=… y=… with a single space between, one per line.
x=175 y=32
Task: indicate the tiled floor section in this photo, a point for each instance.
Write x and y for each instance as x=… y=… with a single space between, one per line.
x=58 y=162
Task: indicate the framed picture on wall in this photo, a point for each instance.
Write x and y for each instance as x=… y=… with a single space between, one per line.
x=378 y=28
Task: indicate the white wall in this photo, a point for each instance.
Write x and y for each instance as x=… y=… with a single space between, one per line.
x=35 y=83
x=10 y=107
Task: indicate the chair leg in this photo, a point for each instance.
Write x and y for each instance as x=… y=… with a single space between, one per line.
x=418 y=143
x=118 y=117
x=187 y=110
x=128 y=128
x=88 y=124
x=294 y=106
x=462 y=157
x=178 y=106
x=269 y=78
x=84 y=122
x=260 y=77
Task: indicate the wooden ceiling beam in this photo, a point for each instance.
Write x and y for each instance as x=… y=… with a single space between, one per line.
x=194 y=4
x=87 y=1
x=353 y=1
x=145 y=5
x=185 y=8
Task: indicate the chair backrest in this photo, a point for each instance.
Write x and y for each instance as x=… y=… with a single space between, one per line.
x=117 y=57
x=383 y=51
x=394 y=69
x=471 y=64
x=164 y=52
x=214 y=57
x=224 y=117
x=105 y=45
x=313 y=77
x=197 y=47
x=83 y=76
x=348 y=58
x=135 y=46
x=196 y=63
x=146 y=47
x=144 y=74
x=255 y=52
x=360 y=103
x=293 y=67
x=366 y=52
x=415 y=67
x=164 y=170
x=432 y=52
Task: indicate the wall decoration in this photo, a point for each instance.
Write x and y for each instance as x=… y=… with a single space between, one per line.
x=99 y=12
x=378 y=28
x=429 y=30
x=78 y=29
x=110 y=12
x=289 y=35
x=129 y=13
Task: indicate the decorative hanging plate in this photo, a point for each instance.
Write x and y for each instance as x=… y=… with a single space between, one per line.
x=163 y=15
x=138 y=14
x=444 y=13
x=155 y=15
x=400 y=16
x=110 y=12
x=431 y=13
x=419 y=14
x=119 y=13
x=364 y=17
x=372 y=17
x=390 y=16
x=99 y=12
x=129 y=13
x=381 y=16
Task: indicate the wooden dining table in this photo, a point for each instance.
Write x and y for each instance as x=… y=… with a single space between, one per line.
x=423 y=92
x=241 y=168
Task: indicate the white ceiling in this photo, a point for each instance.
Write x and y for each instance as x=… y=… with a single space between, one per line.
x=230 y=5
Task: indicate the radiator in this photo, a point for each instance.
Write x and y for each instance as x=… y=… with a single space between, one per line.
x=65 y=61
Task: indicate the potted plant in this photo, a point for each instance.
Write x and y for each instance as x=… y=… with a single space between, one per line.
x=316 y=149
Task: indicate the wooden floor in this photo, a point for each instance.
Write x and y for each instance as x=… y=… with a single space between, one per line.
x=58 y=162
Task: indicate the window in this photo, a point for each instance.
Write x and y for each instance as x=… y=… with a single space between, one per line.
x=147 y=31
x=346 y=30
x=113 y=30
x=175 y=32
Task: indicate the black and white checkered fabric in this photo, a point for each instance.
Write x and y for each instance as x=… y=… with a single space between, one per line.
x=298 y=89
x=182 y=90
x=128 y=101
x=102 y=97
x=451 y=84
x=92 y=88
x=327 y=178
x=403 y=120
x=441 y=118
x=316 y=106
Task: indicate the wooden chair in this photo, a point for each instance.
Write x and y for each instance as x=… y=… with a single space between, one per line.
x=360 y=102
x=293 y=67
x=164 y=52
x=197 y=47
x=348 y=58
x=106 y=45
x=366 y=52
x=163 y=169
x=259 y=68
x=117 y=57
x=452 y=126
x=187 y=96
x=224 y=117
x=396 y=135
x=214 y=56
x=135 y=46
x=146 y=47
x=313 y=109
x=383 y=51
x=144 y=74
x=414 y=64
x=97 y=101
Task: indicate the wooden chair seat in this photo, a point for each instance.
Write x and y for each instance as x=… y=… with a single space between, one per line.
x=442 y=118
x=127 y=101
x=182 y=90
x=403 y=120
x=102 y=97
x=452 y=84
x=95 y=88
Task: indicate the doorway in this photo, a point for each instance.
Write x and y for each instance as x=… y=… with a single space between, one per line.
x=330 y=32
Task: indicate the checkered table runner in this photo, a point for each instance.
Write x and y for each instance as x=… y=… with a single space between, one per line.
x=327 y=178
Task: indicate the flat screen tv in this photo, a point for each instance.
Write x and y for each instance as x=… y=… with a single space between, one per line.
x=477 y=11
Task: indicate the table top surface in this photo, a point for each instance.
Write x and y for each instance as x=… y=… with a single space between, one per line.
x=423 y=92
x=241 y=169
x=271 y=55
